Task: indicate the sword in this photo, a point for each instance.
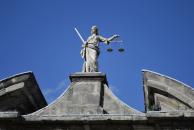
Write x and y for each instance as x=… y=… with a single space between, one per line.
x=79 y=35
x=83 y=51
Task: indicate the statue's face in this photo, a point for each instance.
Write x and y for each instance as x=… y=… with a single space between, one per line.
x=94 y=30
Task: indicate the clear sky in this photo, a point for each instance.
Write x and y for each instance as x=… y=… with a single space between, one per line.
x=38 y=35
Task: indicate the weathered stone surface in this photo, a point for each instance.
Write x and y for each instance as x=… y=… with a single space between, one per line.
x=88 y=103
x=88 y=94
x=163 y=93
x=112 y=105
x=21 y=93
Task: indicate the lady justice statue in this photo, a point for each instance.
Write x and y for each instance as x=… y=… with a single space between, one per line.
x=90 y=50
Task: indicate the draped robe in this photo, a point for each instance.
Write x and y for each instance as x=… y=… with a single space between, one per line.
x=91 y=51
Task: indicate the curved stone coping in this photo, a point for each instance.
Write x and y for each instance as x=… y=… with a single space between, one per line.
x=11 y=79
x=171 y=86
x=173 y=79
x=16 y=75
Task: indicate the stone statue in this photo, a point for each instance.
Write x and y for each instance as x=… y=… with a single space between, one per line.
x=90 y=51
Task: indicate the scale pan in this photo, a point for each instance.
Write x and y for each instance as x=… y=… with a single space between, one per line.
x=109 y=49
x=121 y=49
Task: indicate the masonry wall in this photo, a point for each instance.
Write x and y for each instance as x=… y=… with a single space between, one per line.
x=102 y=125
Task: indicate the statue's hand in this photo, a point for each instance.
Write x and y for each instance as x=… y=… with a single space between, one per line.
x=112 y=38
x=84 y=45
x=116 y=36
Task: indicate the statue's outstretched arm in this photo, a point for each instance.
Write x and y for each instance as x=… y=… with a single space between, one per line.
x=113 y=38
x=108 y=40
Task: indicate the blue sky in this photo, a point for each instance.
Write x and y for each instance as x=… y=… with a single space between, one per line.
x=39 y=36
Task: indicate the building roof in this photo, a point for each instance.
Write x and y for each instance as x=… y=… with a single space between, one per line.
x=88 y=98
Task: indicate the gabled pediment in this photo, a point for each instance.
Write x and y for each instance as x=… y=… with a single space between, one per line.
x=21 y=93
x=163 y=93
x=88 y=94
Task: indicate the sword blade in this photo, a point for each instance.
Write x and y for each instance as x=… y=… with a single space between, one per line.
x=79 y=35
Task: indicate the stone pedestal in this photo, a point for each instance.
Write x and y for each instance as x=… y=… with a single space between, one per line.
x=86 y=96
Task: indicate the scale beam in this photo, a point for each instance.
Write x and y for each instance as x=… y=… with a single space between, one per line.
x=117 y=41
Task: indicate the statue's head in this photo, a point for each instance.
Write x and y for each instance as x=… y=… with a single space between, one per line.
x=94 y=30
